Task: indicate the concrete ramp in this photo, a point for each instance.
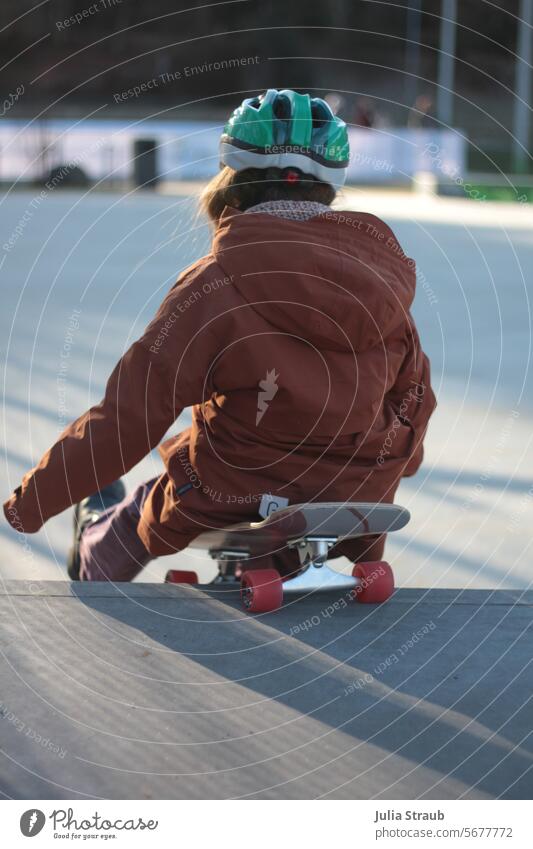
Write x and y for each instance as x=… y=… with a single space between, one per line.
x=158 y=691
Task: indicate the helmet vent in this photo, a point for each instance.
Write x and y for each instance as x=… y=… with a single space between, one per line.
x=282 y=108
x=319 y=115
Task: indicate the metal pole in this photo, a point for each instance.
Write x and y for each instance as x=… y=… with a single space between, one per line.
x=522 y=100
x=412 y=52
x=446 y=61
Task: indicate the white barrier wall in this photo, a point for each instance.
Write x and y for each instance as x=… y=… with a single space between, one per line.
x=394 y=155
x=189 y=150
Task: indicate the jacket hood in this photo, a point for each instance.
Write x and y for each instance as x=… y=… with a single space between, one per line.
x=339 y=280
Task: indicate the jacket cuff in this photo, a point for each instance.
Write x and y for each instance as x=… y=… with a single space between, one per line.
x=13 y=514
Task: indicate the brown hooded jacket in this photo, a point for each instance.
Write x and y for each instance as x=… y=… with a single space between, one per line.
x=294 y=344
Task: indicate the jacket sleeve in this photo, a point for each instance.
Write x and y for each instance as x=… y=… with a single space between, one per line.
x=102 y=444
x=156 y=378
x=412 y=397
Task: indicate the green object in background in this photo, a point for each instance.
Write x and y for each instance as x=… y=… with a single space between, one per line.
x=518 y=194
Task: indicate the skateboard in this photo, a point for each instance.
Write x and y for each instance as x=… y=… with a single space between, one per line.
x=311 y=529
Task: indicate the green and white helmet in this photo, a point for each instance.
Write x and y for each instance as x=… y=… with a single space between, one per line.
x=280 y=129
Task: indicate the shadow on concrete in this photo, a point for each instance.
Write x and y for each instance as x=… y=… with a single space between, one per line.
x=417 y=698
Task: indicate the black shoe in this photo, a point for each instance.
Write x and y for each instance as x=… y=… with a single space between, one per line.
x=87 y=512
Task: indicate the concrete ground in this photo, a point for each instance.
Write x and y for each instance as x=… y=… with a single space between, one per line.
x=153 y=691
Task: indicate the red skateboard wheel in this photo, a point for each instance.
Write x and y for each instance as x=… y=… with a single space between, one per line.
x=261 y=590
x=377 y=582
x=181 y=576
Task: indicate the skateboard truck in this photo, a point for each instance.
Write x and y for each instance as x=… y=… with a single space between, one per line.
x=315 y=573
x=228 y=562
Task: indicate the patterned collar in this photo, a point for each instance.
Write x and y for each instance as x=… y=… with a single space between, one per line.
x=297 y=210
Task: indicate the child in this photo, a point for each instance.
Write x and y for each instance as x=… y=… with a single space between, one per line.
x=293 y=342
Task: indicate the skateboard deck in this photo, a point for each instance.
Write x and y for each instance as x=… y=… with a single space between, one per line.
x=333 y=520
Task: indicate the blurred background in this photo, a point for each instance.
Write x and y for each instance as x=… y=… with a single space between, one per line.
x=103 y=72
x=110 y=116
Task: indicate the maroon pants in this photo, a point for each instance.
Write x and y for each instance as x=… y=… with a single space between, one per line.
x=111 y=549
